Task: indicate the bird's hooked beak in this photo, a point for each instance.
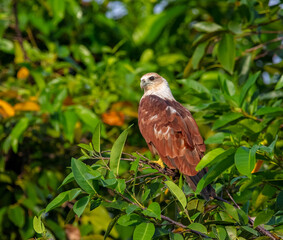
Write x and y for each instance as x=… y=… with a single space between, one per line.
x=143 y=83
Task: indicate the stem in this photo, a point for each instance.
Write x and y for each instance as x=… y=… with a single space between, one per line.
x=262 y=230
x=264 y=44
x=162 y=216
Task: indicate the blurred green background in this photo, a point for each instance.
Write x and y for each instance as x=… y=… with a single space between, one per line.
x=67 y=65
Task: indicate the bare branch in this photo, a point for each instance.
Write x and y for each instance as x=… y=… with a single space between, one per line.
x=163 y=217
x=258 y=228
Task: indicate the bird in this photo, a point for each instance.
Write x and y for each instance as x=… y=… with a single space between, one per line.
x=170 y=131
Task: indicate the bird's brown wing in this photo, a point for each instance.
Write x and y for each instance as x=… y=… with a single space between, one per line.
x=170 y=130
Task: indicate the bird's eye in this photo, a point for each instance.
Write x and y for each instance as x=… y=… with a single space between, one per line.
x=151 y=78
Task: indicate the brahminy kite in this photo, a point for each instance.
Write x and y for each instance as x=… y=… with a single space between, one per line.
x=170 y=130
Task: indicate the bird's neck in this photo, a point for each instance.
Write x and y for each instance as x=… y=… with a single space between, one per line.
x=163 y=92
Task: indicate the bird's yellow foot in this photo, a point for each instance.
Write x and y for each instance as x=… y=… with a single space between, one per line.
x=160 y=163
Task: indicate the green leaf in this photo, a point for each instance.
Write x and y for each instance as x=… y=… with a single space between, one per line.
x=263 y=217
x=6 y=45
x=175 y=236
x=279 y=84
x=177 y=192
x=84 y=175
x=194 y=86
x=217 y=138
x=198 y=227
x=230 y=210
x=131 y=208
x=17 y=131
x=252 y=157
x=242 y=161
x=116 y=151
x=144 y=231
x=207 y=27
x=94 y=203
x=198 y=54
x=249 y=83
x=129 y=220
x=250 y=230
x=87 y=117
x=96 y=138
x=225 y=119
x=58 y=201
x=150 y=29
x=80 y=205
x=38 y=225
x=67 y=179
x=269 y=110
x=209 y=157
x=17 y=215
x=145 y=195
x=58 y=10
x=226 y=52
x=85 y=147
x=121 y=185
x=153 y=210
x=70 y=119
x=74 y=193
x=225 y=161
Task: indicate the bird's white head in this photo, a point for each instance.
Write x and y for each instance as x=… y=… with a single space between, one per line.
x=154 y=84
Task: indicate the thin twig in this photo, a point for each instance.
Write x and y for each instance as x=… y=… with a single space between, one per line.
x=162 y=216
x=142 y=176
x=17 y=30
x=263 y=44
x=262 y=230
x=266 y=23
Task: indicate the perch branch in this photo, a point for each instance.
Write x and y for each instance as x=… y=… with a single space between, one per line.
x=262 y=230
x=162 y=216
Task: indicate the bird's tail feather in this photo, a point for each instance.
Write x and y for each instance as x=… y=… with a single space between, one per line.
x=208 y=192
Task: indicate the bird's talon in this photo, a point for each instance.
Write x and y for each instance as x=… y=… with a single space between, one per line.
x=160 y=163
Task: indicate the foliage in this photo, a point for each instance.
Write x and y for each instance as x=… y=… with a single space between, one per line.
x=70 y=68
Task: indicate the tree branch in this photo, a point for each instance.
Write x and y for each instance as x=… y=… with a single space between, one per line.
x=163 y=217
x=262 y=230
x=264 y=44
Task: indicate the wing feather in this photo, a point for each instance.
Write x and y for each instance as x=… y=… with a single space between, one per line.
x=170 y=130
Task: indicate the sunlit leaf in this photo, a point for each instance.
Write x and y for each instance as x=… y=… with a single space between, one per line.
x=38 y=225
x=177 y=192
x=209 y=157
x=216 y=170
x=207 y=27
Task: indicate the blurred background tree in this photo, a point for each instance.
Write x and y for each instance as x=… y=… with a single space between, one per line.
x=67 y=65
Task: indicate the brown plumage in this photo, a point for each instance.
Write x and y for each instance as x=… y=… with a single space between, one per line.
x=170 y=130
